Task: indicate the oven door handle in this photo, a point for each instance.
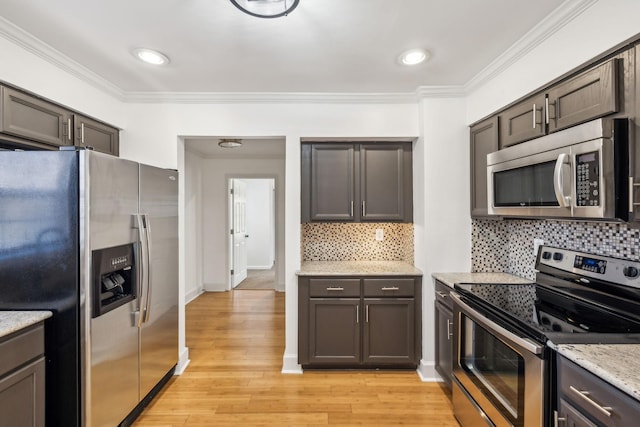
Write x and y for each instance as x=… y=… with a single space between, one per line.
x=496 y=329
x=558 y=182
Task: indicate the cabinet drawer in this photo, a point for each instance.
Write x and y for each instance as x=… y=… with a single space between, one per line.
x=388 y=287
x=442 y=294
x=21 y=348
x=572 y=380
x=338 y=288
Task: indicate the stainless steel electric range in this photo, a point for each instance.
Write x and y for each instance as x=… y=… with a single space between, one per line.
x=503 y=363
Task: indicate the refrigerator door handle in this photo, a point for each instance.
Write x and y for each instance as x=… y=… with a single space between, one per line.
x=147 y=309
x=142 y=269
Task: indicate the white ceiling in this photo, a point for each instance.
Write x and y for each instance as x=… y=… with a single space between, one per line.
x=324 y=46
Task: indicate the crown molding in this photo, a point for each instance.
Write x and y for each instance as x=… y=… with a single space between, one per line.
x=269 y=98
x=32 y=44
x=440 y=92
x=560 y=17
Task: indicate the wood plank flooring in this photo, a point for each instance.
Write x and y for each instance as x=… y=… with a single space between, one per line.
x=236 y=343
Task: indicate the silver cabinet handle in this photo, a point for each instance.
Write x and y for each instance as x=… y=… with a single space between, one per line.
x=584 y=394
x=557 y=419
x=632 y=187
x=546 y=110
x=357 y=314
x=352 y=208
x=335 y=288
x=69 y=129
x=534 y=116
x=390 y=288
x=449 y=333
x=82 y=133
x=364 y=208
x=442 y=294
x=366 y=313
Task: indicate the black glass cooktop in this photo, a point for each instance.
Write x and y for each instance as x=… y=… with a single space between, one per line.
x=541 y=310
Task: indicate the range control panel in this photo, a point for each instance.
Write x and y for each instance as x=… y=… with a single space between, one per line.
x=614 y=270
x=588 y=179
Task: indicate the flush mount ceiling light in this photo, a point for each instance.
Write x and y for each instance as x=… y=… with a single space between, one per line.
x=150 y=56
x=266 y=8
x=230 y=143
x=414 y=56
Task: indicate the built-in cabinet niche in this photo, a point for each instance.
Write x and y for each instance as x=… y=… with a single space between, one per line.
x=357 y=182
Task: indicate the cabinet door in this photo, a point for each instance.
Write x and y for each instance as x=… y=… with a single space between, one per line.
x=484 y=140
x=522 y=121
x=389 y=331
x=333 y=191
x=444 y=343
x=22 y=395
x=32 y=118
x=96 y=135
x=384 y=182
x=587 y=96
x=334 y=331
x=568 y=416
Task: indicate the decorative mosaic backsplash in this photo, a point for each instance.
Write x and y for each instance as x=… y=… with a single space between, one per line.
x=507 y=245
x=356 y=242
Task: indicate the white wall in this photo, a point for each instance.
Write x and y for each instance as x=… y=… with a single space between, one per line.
x=194 y=284
x=215 y=229
x=597 y=29
x=260 y=223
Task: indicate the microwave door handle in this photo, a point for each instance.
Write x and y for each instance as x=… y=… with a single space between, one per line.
x=558 y=182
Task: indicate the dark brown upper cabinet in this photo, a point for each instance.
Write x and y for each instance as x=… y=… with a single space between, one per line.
x=35 y=120
x=355 y=182
x=484 y=140
x=586 y=96
x=523 y=121
x=92 y=134
x=30 y=122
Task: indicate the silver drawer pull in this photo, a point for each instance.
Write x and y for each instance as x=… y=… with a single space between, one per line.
x=584 y=394
x=442 y=294
x=335 y=288
x=391 y=288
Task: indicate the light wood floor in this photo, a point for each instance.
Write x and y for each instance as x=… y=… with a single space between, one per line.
x=236 y=343
x=259 y=279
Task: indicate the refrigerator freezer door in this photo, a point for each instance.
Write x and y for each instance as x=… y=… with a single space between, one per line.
x=159 y=332
x=109 y=199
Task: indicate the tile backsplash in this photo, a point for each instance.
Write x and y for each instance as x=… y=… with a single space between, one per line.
x=356 y=242
x=507 y=245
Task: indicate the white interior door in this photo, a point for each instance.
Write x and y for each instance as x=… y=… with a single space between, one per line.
x=239 y=231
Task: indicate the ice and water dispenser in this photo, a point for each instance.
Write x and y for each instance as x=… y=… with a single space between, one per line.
x=114 y=278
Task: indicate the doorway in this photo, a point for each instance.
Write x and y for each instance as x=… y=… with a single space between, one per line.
x=252 y=233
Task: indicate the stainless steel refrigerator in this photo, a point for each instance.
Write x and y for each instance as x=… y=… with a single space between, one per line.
x=94 y=239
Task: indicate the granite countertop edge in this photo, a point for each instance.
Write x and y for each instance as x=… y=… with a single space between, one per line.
x=357 y=268
x=14 y=321
x=617 y=364
x=451 y=279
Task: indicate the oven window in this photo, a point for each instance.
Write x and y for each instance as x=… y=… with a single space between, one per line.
x=493 y=366
x=530 y=185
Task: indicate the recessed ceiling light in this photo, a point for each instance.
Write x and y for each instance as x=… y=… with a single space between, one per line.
x=150 y=56
x=414 y=56
x=229 y=143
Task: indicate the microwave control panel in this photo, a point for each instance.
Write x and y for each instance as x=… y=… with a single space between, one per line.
x=588 y=179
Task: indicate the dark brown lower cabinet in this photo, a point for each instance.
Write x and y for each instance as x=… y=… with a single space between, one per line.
x=22 y=370
x=359 y=322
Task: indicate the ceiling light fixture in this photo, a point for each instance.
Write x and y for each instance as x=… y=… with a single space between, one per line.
x=150 y=56
x=266 y=8
x=230 y=143
x=414 y=56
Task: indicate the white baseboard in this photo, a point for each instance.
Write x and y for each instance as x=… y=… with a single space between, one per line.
x=183 y=362
x=193 y=295
x=427 y=372
x=290 y=364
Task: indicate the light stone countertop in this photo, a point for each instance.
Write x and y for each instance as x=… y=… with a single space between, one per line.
x=13 y=321
x=618 y=364
x=502 y=278
x=357 y=268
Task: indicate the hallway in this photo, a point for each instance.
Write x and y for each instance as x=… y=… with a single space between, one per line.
x=236 y=343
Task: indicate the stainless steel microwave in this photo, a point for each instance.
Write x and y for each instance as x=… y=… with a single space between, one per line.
x=581 y=172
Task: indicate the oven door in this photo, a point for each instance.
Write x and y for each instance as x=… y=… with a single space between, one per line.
x=501 y=373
